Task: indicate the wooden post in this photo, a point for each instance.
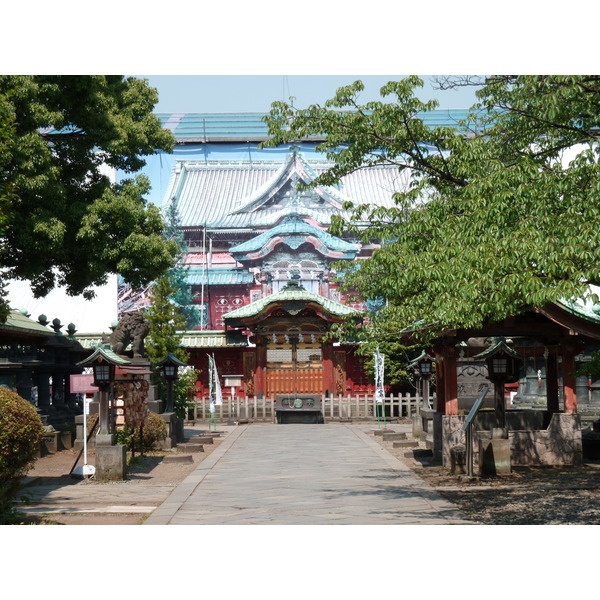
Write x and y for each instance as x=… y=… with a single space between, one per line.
x=440 y=369
x=552 y=399
x=260 y=380
x=450 y=382
x=568 y=376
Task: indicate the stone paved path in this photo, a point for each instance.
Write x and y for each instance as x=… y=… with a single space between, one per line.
x=333 y=474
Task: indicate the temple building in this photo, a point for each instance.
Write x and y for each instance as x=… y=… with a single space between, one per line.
x=262 y=265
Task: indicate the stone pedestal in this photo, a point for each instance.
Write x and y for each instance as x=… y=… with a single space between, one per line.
x=155 y=406
x=178 y=429
x=171 y=440
x=105 y=439
x=417 y=426
x=66 y=439
x=51 y=440
x=111 y=462
x=494 y=457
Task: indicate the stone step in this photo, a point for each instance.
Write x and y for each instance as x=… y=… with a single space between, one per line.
x=390 y=437
x=178 y=458
x=188 y=447
x=405 y=444
x=382 y=431
x=203 y=439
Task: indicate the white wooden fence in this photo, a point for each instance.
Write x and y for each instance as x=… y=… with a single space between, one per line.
x=344 y=407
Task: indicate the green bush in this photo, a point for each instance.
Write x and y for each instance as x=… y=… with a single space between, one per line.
x=154 y=430
x=21 y=432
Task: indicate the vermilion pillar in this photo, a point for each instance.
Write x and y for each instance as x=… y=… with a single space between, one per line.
x=440 y=392
x=260 y=378
x=568 y=373
x=450 y=381
x=328 y=375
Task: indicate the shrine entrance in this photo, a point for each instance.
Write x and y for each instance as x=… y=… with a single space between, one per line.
x=291 y=355
x=294 y=363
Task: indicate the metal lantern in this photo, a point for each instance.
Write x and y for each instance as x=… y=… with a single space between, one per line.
x=104 y=372
x=503 y=365
x=423 y=369
x=425 y=366
x=502 y=361
x=169 y=366
x=169 y=371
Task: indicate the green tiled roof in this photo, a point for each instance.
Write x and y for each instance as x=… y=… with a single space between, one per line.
x=291 y=225
x=585 y=312
x=205 y=339
x=18 y=322
x=105 y=351
x=219 y=277
x=291 y=292
x=215 y=127
x=187 y=339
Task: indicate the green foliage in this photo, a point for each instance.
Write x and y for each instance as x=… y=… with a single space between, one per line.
x=153 y=431
x=21 y=433
x=499 y=219
x=62 y=221
x=591 y=368
x=182 y=296
x=166 y=321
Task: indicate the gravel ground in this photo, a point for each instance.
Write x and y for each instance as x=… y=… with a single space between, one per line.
x=528 y=496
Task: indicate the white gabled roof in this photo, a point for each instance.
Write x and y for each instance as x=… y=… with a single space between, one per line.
x=236 y=193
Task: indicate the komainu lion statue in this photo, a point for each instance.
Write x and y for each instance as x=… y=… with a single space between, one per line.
x=132 y=329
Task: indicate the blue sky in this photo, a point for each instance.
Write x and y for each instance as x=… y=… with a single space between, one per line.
x=255 y=93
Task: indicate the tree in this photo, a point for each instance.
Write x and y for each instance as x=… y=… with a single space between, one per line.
x=502 y=214
x=182 y=296
x=65 y=223
x=166 y=320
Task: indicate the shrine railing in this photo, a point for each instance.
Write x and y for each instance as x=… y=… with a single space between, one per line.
x=360 y=406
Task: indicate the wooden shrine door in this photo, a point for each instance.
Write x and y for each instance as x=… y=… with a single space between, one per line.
x=294 y=366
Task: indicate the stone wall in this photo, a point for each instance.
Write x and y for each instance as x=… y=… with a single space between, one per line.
x=558 y=445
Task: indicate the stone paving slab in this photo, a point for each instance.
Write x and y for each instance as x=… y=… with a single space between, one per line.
x=303 y=475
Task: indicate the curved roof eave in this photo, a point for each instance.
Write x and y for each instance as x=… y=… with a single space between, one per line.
x=291 y=292
x=293 y=225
